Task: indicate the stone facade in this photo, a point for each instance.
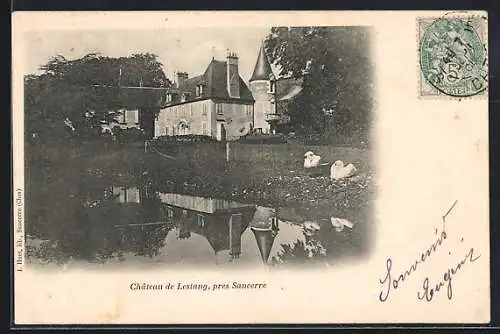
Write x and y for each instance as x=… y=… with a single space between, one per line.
x=218 y=103
x=187 y=118
x=235 y=118
x=128 y=118
x=206 y=117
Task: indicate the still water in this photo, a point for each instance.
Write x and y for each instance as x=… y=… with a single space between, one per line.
x=128 y=225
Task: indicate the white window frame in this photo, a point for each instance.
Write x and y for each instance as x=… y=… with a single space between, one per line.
x=219 y=109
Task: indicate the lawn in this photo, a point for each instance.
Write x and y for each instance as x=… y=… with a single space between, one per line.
x=262 y=174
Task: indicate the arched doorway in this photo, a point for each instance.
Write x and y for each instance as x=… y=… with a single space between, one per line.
x=183 y=128
x=221 y=132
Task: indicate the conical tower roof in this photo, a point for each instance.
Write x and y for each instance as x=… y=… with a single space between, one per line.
x=262 y=68
x=265 y=240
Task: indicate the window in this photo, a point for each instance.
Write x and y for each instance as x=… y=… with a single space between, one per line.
x=201 y=220
x=248 y=110
x=169 y=97
x=218 y=108
x=199 y=90
x=204 y=128
x=127 y=195
x=131 y=116
x=170 y=212
x=204 y=110
x=132 y=195
x=272 y=86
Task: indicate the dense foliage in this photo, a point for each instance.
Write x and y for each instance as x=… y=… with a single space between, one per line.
x=337 y=99
x=70 y=88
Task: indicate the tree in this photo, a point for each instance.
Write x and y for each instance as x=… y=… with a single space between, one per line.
x=70 y=88
x=336 y=61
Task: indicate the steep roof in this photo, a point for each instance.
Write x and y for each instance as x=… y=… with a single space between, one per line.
x=262 y=68
x=215 y=85
x=131 y=97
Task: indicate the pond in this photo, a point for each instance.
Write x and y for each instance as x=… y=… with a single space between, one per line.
x=134 y=225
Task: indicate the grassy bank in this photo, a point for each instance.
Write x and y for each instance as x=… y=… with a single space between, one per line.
x=270 y=175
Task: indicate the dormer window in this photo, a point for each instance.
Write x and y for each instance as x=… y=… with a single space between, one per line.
x=169 y=98
x=184 y=97
x=199 y=90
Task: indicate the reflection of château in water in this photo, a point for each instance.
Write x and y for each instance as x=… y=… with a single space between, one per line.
x=221 y=222
x=135 y=213
x=126 y=195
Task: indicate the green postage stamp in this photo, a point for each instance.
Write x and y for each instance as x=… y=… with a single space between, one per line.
x=453 y=56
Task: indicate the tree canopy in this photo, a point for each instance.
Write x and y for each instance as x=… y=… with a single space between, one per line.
x=336 y=97
x=94 y=69
x=66 y=88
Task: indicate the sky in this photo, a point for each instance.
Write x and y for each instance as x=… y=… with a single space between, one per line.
x=187 y=50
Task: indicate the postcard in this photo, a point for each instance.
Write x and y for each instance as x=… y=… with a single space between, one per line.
x=284 y=167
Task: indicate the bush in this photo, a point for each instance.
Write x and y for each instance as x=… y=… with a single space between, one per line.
x=184 y=139
x=263 y=139
x=130 y=134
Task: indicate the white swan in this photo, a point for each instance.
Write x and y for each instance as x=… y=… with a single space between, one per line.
x=339 y=223
x=339 y=171
x=311 y=160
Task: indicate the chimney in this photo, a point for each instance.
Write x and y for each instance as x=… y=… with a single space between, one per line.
x=233 y=76
x=235 y=230
x=181 y=79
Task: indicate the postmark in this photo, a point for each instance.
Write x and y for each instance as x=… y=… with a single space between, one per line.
x=453 y=57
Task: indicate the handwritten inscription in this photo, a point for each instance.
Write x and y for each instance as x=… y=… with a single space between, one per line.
x=428 y=292
x=390 y=283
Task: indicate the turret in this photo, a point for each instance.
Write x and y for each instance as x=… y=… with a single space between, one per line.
x=262 y=68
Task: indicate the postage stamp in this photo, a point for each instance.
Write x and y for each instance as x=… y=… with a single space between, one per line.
x=453 y=59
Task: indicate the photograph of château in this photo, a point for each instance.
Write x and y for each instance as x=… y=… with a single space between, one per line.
x=199 y=147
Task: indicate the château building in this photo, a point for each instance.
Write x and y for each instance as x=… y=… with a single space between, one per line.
x=219 y=104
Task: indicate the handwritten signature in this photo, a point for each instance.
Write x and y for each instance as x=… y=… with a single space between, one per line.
x=389 y=283
x=428 y=293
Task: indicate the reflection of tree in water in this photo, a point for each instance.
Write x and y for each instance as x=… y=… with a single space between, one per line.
x=144 y=240
x=309 y=249
x=78 y=223
x=320 y=240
